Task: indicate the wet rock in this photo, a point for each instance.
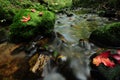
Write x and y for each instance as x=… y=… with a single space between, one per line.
x=107 y=13
x=69 y=14
x=90 y=19
x=30 y=21
x=103 y=72
x=107 y=36
x=3 y=35
x=118 y=15
x=58 y=5
x=40 y=64
x=18 y=50
x=61 y=37
x=61 y=59
x=85 y=44
x=31 y=49
x=58 y=22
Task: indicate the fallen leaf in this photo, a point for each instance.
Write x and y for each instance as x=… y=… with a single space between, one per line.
x=25 y=19
x=103 y=58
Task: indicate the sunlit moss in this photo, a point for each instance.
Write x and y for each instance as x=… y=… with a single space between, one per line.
x=38 y=24
x=57 y=5
x=9 y=8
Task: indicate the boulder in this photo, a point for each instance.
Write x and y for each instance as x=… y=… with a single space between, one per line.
x=103 y=72
x=107 y=36
x=9 y=8
x=57 y=5
x=28 y=23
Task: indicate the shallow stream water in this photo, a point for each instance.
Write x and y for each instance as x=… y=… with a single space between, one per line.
x=72 y=33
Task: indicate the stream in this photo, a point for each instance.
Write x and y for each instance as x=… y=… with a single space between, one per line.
x=72 y=33
x=72 y=30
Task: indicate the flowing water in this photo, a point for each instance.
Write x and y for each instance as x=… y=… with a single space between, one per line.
x=72 y=33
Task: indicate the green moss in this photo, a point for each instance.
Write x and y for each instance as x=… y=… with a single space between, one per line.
x=23 y=31
x=57 y=5
x=109 y=73
x=108 y=35
x=9 y=8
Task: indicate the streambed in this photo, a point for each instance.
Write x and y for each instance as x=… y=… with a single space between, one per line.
x=72 y=31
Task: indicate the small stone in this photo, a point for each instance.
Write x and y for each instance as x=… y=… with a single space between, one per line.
x=41 y=13
x=33 y=10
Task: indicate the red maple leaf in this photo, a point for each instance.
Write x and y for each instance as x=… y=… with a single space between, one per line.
x=105 y=54
x=107 y=62
x=103 y=58
x=25 y=19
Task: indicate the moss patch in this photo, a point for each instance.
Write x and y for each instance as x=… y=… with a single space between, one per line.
x=39 y=22
x=108 y=35
x=57 y=5
x=10 y=7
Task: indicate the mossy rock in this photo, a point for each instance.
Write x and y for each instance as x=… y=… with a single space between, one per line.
x=103 y=72
x=57 y=5
x=7 y=11
x=9 y=8
x=40 y=22
x=107 y=36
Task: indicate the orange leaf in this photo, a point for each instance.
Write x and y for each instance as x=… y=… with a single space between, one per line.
x=107 y=62
x=25 y=19
x=103 y=58
x=97 y=61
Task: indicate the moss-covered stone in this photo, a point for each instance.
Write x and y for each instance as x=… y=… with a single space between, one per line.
x=103 y=72
x=38 y=22
x=8 y=9
x=57 y=5
x=107 y=36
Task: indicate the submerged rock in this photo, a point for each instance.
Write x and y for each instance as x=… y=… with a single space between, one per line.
x=107 y=36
